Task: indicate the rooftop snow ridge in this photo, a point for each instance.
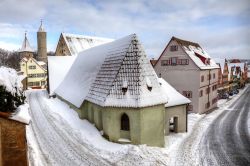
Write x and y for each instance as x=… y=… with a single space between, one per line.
x=100 y=78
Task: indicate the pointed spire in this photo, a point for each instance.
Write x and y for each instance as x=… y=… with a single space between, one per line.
x=26 y=45
x=41 y=28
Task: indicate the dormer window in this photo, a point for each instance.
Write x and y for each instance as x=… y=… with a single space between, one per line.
x=207 y=62
x=124 y=87
x=149 y=84
x=174 y=48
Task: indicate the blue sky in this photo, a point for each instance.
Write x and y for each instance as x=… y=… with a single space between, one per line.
x=222 y=27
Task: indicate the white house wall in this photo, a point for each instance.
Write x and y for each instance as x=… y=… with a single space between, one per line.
x=187 y=78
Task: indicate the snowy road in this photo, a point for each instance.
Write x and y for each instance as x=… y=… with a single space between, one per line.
x=219 y=138
x=227 y=140
x=57 y=144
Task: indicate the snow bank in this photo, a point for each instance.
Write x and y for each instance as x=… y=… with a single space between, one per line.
x=89 y=131
x=22 y=114
x=10 y=80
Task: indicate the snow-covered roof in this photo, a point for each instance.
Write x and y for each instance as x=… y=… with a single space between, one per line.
x=221 y=63
x=78 y=43
x=22 y=114
x=174 y=97
x=26 y=45
x=58 y=68
x=196 y=53
x=109 y=69
x=41 y=63
x=21 y=77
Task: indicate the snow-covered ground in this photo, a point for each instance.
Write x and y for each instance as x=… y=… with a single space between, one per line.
x=53 y=119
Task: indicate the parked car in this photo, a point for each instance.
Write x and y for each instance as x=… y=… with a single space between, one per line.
x=231 y=93
x=225 y=96
x=235 y=91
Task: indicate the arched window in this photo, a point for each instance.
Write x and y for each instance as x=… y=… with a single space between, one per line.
x=125 y=122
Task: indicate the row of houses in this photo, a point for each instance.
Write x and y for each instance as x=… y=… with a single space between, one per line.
x=232 y=75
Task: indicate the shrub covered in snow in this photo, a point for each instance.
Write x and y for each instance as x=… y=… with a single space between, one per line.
x=11 y=94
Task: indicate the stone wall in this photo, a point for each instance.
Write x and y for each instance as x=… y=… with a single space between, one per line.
x=13 y=151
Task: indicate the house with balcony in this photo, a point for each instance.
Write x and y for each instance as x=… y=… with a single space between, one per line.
x=190 y=70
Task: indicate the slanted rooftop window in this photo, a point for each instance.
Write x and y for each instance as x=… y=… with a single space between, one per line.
x=124 y=86
x=149 y=84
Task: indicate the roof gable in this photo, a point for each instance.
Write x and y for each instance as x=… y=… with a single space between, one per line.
x=131 y=70
x=200 y=58
x=110 y=68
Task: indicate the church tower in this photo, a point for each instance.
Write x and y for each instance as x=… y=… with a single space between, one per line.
x=42 y=44
x=26 y=51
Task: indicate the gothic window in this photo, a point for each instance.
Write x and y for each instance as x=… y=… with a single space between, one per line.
x=125 y=122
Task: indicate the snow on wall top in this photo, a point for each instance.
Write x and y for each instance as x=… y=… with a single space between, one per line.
x=41 y=63
x=26 y=45
x=78 y=43
x=109 y=68
x=174 y=97
x=58 y=68
x=126 y=79
x=10 y=80
x=192 y=49
x=221 y=62
x=22 y=114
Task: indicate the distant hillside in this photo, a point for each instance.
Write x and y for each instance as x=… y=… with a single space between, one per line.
x=9 y=59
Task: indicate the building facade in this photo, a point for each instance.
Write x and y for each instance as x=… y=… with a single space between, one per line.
x=35 y=72
x=223 y=75
x=190 y=70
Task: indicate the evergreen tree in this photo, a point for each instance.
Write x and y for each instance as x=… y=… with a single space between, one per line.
x=9 y=102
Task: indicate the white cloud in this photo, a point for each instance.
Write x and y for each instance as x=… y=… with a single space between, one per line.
x=9 y=46
x=154 y=21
